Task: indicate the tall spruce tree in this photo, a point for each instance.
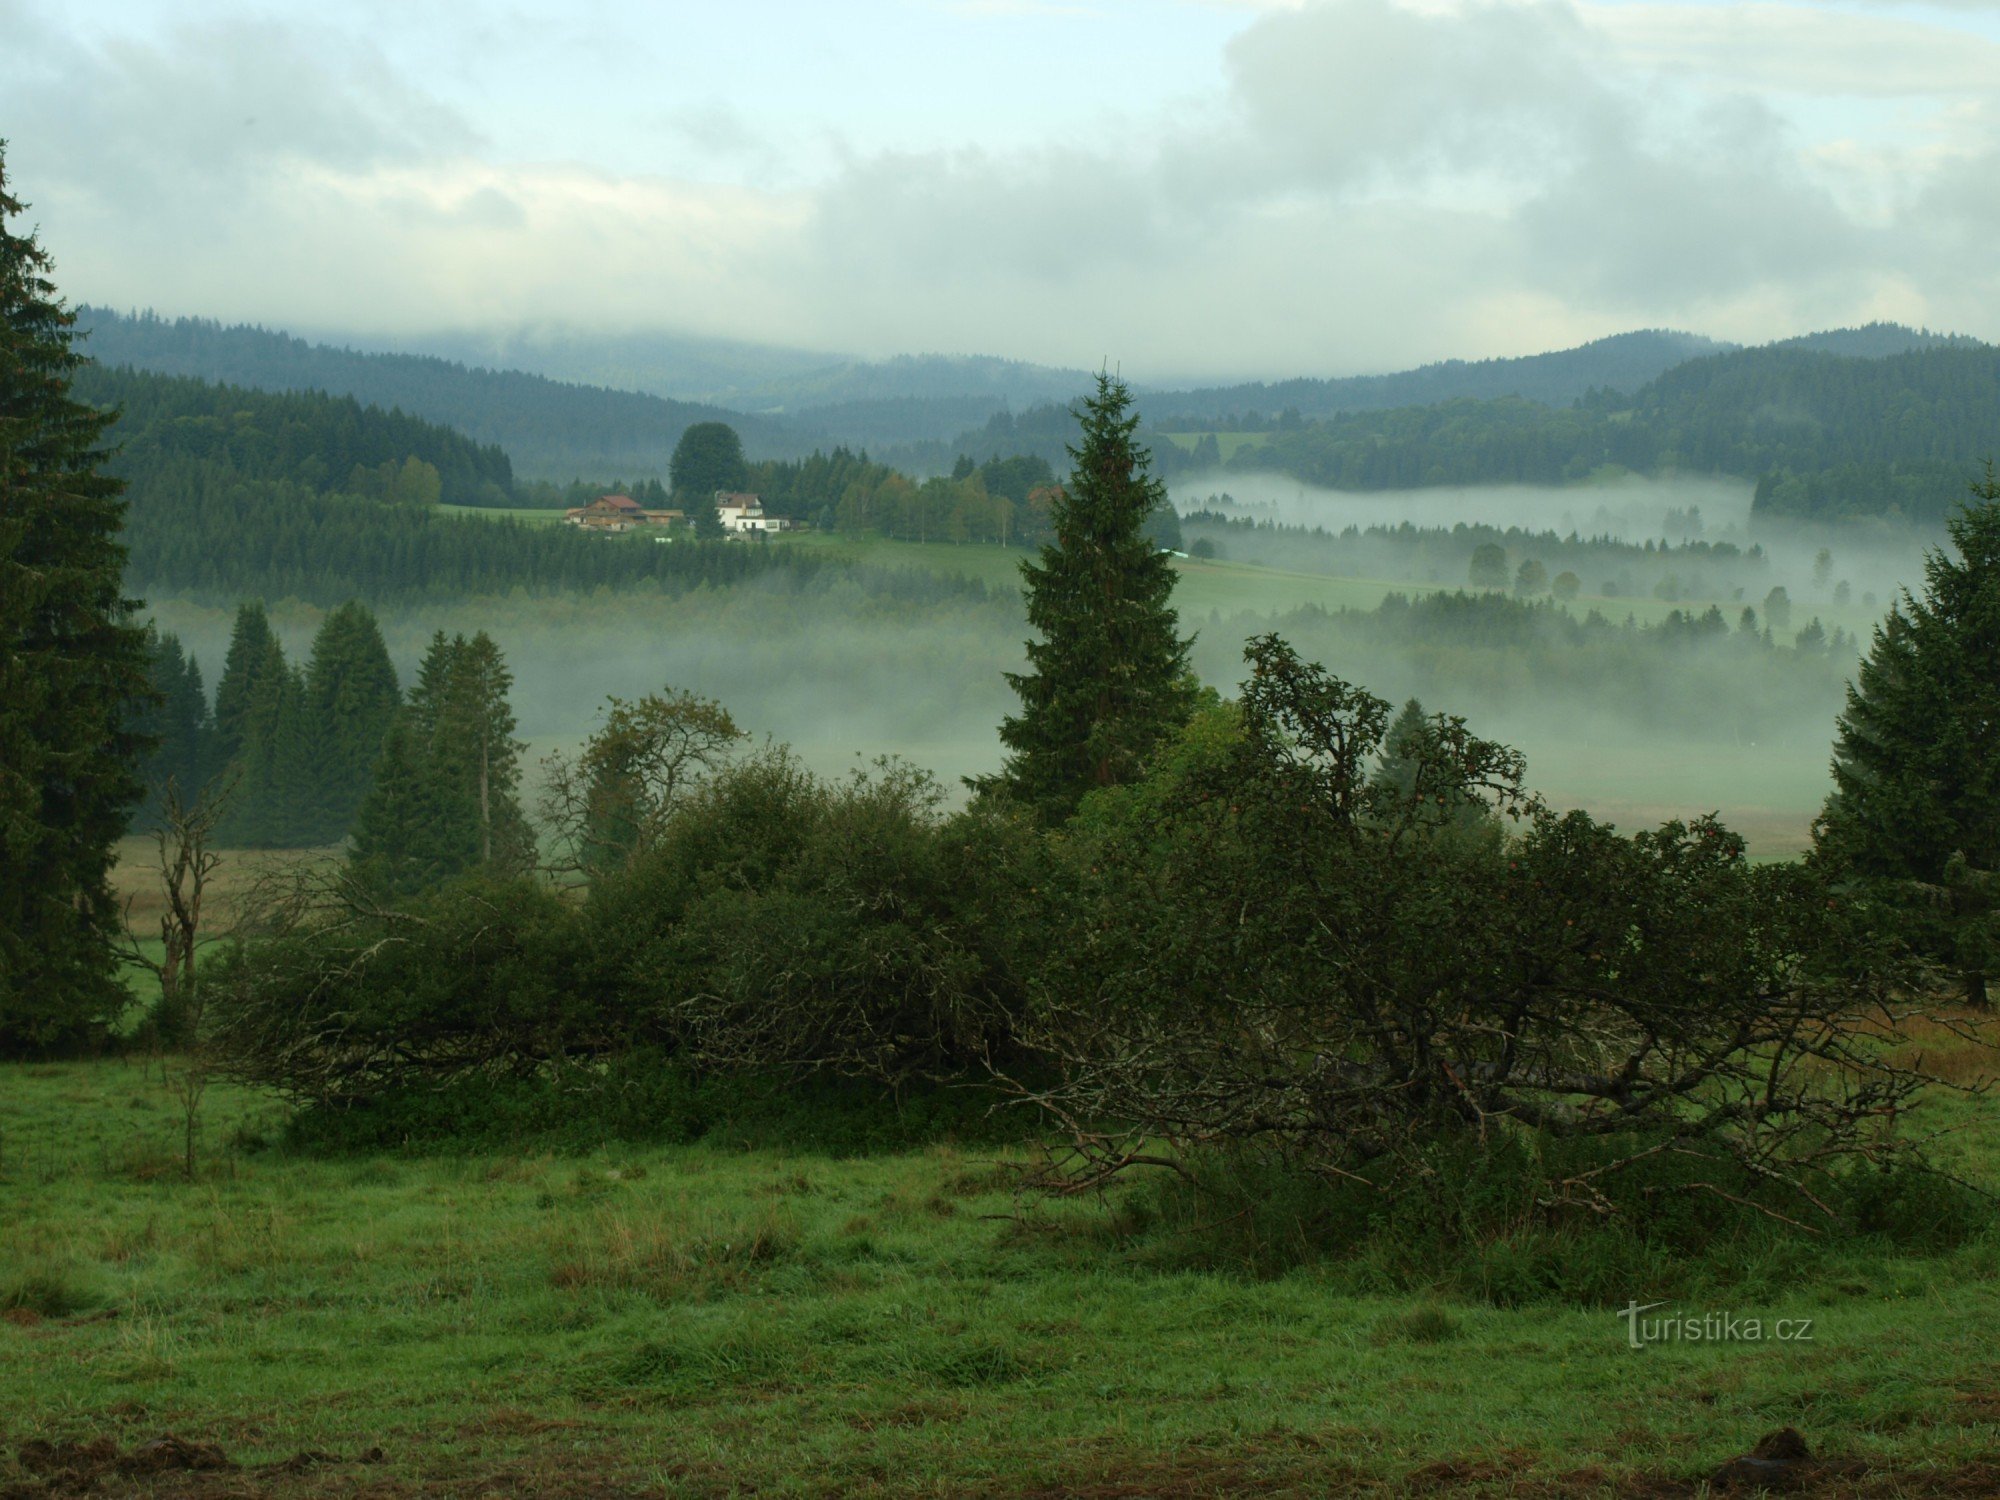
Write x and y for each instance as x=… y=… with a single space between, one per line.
x=250 y=645
x=351 y=699
x=1109 y=678
x=275 y=796
x=409 y=834
x=453 y=775
x=1915 y=810
x=73 y=671
x=176 y=721
x=476 y=722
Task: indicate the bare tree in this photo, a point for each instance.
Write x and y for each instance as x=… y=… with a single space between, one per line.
x=187 y=862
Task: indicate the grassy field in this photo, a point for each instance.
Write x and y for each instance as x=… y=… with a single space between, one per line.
x=714 y=1320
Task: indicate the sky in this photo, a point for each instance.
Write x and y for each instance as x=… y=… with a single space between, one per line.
x=1185 y=188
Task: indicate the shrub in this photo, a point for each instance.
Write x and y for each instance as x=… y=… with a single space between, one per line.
x=351 y=1000
x=781 y=921
x=1270 y=948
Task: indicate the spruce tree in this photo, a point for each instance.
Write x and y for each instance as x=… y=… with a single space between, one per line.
x=459 y=771
x=476 y=727
x=408 y=836
x=177 y=721
x=351 y=698
x=250 y=645
x=1915 y=811
x=73 y=672
x=274 y=803
x=1108 y=679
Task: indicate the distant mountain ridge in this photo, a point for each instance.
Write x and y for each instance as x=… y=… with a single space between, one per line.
x=679 y=367
x=920 y=412
x=1877 y=341
x=550 y=429
x=1622 y=362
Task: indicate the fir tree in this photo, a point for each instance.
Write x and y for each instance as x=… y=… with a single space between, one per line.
x=351 y=698
x=1915 y=809
x=72 y=672
x=1108 y=679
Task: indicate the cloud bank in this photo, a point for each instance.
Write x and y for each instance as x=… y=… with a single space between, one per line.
x=1366 y=184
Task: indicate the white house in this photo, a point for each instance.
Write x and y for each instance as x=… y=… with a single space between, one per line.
x=742 y=514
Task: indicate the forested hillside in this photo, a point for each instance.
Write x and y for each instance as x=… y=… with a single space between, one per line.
x=1825 y=436
x=552 y=430
x=318 y=441
x=236 y=493
x=1623 y=362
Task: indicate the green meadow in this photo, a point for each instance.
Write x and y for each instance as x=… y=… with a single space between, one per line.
x=756 y=1316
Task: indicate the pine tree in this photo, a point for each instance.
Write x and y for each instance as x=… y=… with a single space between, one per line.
x=1109 y=677
x=1915 y=809
x=73 y=672
x=351 y=698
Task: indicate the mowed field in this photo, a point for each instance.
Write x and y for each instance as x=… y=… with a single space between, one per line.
x=713 y=1320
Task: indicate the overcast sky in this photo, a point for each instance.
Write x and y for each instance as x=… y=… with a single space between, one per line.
x=1182 y=186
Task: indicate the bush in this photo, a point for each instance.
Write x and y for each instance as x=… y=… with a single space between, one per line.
x=781 y=921
x=482 y=978
x=1269 y=946
x=575 y=1106
x=1477 y=1231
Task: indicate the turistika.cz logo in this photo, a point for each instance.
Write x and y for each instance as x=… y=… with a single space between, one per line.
x=1708 y=1328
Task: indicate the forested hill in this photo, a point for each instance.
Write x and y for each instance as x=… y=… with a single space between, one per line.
x=319 y=441
x=550 y=429
x=1876 y=340
x=1824 y=436
x=1623 y=362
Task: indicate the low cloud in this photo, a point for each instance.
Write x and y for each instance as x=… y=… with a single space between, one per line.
x=1368 y=184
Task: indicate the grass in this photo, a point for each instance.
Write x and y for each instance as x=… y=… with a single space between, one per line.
x=708 y=1320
